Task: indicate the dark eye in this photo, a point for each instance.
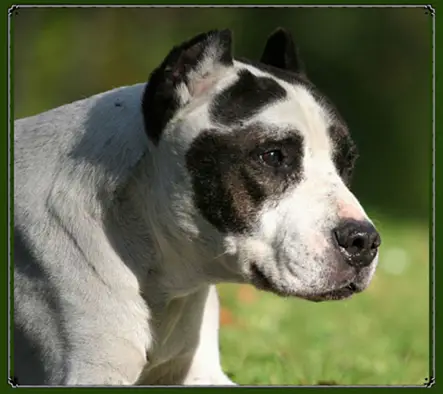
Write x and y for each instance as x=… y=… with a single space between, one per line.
x=273 y=158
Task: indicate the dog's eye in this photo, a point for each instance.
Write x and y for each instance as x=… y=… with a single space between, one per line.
x=273 y=158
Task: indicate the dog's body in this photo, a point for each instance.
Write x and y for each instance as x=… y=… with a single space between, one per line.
x=119 y=238
x=77 y=295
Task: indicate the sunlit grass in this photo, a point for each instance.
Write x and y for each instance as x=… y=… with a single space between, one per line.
x=379 y=337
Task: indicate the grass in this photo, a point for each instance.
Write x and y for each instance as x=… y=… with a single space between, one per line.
x=379 y=337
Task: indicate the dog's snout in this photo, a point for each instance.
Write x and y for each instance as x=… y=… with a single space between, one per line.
x=358 y=241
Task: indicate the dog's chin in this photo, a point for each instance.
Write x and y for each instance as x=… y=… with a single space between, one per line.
x=263 y=282
x=341 y=293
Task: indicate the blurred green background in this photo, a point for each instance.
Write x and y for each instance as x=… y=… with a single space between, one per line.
x=375 y=65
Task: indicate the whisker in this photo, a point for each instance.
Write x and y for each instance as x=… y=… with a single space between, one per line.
x=220 y=255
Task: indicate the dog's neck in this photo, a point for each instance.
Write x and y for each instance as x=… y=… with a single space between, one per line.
x=167 y=264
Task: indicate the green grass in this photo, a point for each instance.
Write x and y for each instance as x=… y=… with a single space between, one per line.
x=379 y=337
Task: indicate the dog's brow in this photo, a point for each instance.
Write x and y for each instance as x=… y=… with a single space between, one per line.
x=244 y=98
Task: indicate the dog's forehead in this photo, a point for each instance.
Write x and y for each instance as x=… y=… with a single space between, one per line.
x=281 y=106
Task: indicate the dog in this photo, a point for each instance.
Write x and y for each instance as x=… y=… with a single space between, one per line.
x=132 y=205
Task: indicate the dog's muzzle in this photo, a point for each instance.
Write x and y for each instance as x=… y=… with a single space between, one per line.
x=354 y=244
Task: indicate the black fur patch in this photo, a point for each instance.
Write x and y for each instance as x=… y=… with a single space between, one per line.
x=230 y=183
x=245 y=98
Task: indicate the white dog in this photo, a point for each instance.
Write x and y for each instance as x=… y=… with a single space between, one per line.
x=132 y=204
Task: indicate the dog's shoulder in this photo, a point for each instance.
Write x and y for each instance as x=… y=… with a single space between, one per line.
x=87 y=148
x=68 y=163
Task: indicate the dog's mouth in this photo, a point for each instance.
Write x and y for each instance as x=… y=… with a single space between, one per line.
x=262 y=282
x=333 y=295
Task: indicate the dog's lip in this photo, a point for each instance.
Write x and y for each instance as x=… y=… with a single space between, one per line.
x=336 y=294
x=261 y=281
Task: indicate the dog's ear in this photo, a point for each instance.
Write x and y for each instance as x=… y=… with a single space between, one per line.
x=188 y=71
x=281 y=52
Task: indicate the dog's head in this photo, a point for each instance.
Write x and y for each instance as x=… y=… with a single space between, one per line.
x=258 y=162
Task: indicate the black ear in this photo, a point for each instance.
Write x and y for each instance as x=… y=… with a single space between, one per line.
x=189 y=70
x=281 y=52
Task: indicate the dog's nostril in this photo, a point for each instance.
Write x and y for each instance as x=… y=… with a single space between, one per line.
x=358 y=243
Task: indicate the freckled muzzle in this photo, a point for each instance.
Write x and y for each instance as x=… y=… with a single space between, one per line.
x=346 y=266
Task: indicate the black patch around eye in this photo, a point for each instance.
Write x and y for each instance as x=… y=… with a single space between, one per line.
x=245 y=98
x=252 y=187
x=210 y=160
x=229 y=185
